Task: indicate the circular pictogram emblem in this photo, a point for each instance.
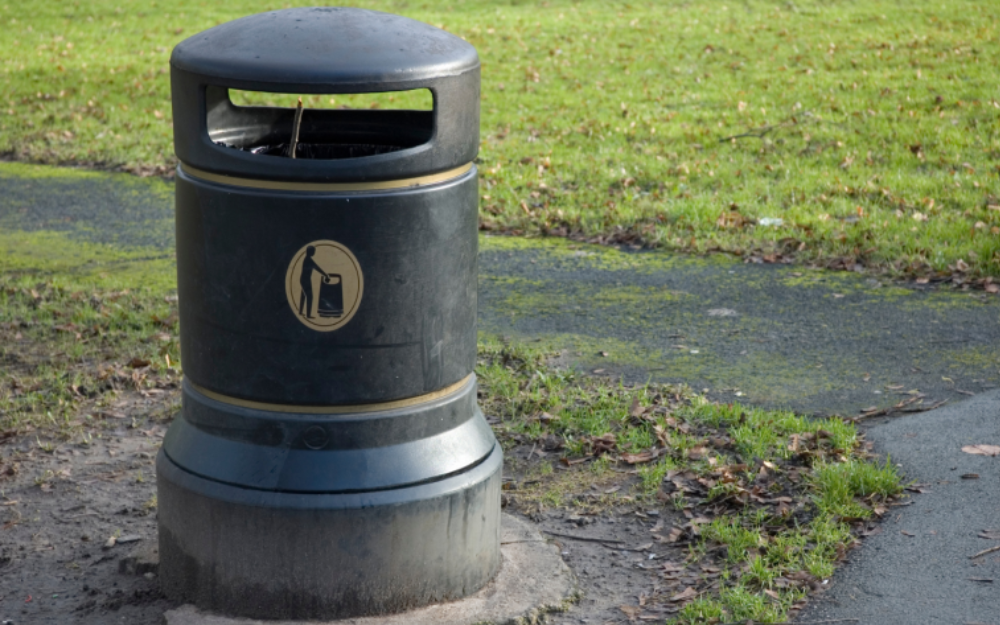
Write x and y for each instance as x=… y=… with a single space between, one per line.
x=324 y=285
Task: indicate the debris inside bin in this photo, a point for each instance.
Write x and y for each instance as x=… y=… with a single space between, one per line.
x=319 y=151
x=302 y=148
x=296 y=126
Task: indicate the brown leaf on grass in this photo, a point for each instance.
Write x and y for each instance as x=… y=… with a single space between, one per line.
x=697 y=453
x=636 y=409
x=641 y=457
x=687 y=594
x=662 y=436
x=802 y=577
x=732 y=219
x=546 y=417
x=138 y=363
x=982 y=450
x=603 y=444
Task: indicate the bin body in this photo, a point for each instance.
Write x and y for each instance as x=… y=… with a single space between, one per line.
x=330 y=459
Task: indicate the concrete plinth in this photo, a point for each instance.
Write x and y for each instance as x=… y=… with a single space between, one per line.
x=533 y=580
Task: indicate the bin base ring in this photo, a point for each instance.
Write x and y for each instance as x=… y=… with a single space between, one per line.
x=275 y=555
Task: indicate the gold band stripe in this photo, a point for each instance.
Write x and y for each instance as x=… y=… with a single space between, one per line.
x=251 y=183
x=345 y=409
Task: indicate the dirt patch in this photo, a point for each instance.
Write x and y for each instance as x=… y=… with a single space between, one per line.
x=60 y=509
x=60 y=506
x=616 y=563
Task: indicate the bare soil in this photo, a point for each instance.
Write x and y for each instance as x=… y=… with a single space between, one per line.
x=59 y=508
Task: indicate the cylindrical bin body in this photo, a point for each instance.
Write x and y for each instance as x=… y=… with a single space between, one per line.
x=330 y=459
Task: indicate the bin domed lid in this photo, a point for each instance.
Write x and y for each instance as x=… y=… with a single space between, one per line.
x=336 y=49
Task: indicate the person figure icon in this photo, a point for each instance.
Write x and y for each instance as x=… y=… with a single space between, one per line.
x=305 y=281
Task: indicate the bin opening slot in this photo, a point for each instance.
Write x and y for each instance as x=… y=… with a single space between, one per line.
x=334 y=126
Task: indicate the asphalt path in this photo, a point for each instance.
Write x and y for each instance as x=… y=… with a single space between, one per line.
x=813 y=341
x=919 y=569
x=114 y=209
x=779 y=336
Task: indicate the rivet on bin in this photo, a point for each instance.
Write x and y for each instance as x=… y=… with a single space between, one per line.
x=330 y=459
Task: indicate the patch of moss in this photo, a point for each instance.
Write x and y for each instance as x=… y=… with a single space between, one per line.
x=600 y=257
x=43 y=172
x=138 y=187
x=64 y=259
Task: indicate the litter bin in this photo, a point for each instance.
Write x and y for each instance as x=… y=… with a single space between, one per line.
x=330 y=458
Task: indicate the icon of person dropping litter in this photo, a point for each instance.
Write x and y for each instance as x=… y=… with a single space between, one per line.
x=331 y=292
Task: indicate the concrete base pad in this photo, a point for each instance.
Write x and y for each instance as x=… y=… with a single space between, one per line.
x=532 y=581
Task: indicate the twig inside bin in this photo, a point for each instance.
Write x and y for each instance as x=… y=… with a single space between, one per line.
x=295 y=130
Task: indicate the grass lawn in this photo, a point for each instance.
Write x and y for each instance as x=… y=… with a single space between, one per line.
x=772 y=501
x=842 y=133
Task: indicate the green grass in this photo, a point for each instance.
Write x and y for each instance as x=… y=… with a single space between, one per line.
x=783 y=495
x=877 y=122
x=68 y=349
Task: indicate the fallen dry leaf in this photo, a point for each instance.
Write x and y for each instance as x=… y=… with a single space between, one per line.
x=686 y=595
x=631 y=611
x=990 y=534
x=546 y=417
x=982 y=450
x=640 y=458
x=697 y=453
